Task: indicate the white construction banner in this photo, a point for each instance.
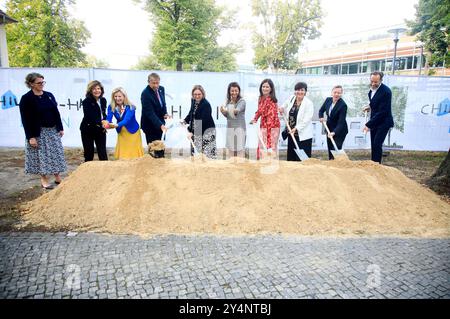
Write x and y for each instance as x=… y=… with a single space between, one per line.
x=420 y=105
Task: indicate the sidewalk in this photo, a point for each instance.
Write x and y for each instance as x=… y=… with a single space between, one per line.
x=46 y=265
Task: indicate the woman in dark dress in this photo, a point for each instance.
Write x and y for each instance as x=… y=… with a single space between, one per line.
x=44 y=152
x=201 y=124
x=92 y=130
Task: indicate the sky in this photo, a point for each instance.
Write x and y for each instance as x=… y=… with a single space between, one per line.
x=121 y=30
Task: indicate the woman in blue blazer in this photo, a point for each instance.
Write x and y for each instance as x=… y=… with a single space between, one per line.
x=336 y=110
x=129 y=141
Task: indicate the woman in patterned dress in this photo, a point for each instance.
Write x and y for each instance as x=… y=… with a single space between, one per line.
x=44 y=152
x=270 y=123
x=234 y=111
x=201 y=124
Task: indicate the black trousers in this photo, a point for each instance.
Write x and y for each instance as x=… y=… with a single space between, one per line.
x=305 y=145
x=151 y=136
x=88 y=138
x=339 y=141
x=377 y=137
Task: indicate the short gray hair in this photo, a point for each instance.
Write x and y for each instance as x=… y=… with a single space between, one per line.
x=30 y=78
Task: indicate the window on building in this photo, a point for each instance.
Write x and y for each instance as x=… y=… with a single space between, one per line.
x=401 y=64
x=353 y=68
x=334 y=69
x=374 y=66
x=364 y=66
x=326 y=69
x=409 y=62
x=344 y=69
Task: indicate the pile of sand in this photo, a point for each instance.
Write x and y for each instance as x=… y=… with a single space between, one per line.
x=160 y=196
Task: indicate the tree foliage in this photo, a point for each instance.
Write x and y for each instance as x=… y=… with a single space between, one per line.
x=186 y=34
x=432 y=26
x=284 y=25
x=45 y=35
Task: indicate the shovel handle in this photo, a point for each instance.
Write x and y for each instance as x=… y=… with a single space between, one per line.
x=290 y=131
x=331 y=137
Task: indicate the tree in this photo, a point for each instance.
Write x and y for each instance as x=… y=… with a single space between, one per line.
x=148 y=63
x=432 y=25
x=440 y=181
x=45 y=35
x=93 y=62
x=186 y=34
x=285 y=24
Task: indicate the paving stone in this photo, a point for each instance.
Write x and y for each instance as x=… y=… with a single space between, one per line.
x=35 y=264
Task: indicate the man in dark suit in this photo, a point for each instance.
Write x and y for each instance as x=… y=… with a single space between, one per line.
x=154 y=110
x=336 y=110
x=381 y=120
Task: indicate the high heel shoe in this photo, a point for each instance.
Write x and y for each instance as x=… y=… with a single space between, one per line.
x=57 y=183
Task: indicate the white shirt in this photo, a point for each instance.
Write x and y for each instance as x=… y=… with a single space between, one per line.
x=373 y=92
x=331 y=108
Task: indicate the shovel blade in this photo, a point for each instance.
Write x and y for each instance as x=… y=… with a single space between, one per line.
x=339 y=154
x=301 y=154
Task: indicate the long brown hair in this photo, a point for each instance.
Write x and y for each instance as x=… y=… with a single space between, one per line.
x=233 y=85
x=272 y=90
x=91 y=86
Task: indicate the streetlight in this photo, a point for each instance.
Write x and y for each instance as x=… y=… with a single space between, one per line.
x=420 y=45
x=395 y=33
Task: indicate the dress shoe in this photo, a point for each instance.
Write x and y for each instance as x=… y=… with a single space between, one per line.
x=47 y=187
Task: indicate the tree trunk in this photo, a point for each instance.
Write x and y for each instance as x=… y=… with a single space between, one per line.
x=440 y=181
x=179 y=65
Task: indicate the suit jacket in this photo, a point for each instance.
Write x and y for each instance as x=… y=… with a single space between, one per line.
x=336 y=121
x=380 y=108
x=153 y=112
x=29 y=112
x=203 y=114
x=93 y=118
x=128 y=119
x=304 y=117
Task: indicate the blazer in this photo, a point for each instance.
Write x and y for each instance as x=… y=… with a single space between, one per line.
x=336 y=121
x=304 y=117
x=204 y=114
x=92 y=117
x=153 y=112
x=380 y=108
x=29 y=112
x=128 y=119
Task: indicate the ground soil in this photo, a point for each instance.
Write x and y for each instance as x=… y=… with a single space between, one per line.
x=315 y=198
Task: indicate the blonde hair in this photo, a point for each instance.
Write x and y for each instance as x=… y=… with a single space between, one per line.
x=126 y=101
x=91 y=86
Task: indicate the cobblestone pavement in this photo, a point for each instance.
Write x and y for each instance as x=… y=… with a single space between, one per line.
x=46 y=265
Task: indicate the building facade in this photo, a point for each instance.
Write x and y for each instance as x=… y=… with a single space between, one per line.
x=359 y=55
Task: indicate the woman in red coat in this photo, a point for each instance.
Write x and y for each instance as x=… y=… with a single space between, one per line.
x=270 y=123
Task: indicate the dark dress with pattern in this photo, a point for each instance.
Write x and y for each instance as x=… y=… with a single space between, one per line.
x=41 y=120
x=201 y=124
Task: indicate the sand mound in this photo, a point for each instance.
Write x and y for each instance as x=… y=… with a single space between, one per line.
x=160 y=196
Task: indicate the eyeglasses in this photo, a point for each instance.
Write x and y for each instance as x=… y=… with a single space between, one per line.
x=40 y=83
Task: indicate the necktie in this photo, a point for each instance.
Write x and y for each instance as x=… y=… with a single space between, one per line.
x=159 y=98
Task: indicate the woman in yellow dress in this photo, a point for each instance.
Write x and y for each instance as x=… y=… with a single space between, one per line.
x=129 y=142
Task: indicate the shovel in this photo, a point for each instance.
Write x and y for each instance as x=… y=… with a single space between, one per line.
x=300 y=153
x=336 y=153
x=196 y=153
x=163 y=136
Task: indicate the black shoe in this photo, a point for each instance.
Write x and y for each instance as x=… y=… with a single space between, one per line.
x=47 y=187
x=57 y=183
